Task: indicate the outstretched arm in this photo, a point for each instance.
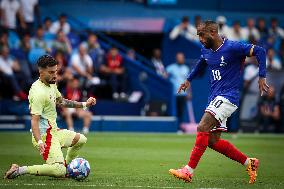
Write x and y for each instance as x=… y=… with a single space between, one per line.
x=260 y=55
x=201 y=64
x=74 y=104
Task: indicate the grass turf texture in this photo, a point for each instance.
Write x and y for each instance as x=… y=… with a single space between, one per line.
x=131 y=160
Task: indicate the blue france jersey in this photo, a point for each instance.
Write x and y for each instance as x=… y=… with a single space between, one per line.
x=225 y=66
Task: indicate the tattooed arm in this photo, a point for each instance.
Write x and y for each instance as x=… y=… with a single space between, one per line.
x=74 y=104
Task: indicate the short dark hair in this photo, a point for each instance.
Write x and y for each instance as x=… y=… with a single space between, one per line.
x=185 y=19
x=46 y=61
x=63 y=15
x=210 y=25
x=47 y=19
x=273 y=19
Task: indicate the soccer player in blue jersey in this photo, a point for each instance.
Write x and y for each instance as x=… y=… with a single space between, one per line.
x=224 y=59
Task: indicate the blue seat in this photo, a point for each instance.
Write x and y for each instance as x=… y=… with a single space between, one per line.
x=49 y=37
x=18 y=53
x=13 y=40
x=74 y=39
x=34 y=54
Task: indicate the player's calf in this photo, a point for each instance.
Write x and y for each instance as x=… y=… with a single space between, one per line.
x=72 y=152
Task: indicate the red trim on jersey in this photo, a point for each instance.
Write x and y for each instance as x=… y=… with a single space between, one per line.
x=218 y=129
x=47 y=142
x=211 y=112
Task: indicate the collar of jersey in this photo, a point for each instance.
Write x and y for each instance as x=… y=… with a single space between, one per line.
x=224 y=39
x=43 y=83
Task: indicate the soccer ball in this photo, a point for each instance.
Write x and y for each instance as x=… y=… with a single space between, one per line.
x=78 y=169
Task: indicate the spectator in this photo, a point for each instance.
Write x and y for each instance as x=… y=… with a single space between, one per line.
x=25 y=43
x=113 y=72
x=4 y=39
x=269 y=112
x=62 y=43
x=60 y=25
x=197 y=20
x=30 y=11
x=82 y=64
x=224 y=29
x=63 y=72
x=95 y=51
x=177 y=73
x=250 y=30
x=73 y=92
x=275 y=31
x=131 y=54
x=9 y=11
x=251 y=76
x=262 y=29
x=184 y=29
x=272 y=61
x=158 y=64
x=47 y=25
x=235 y=33
x=38 y=41
x=8 y=67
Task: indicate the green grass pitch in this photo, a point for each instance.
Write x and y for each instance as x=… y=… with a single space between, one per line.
x=138 y=160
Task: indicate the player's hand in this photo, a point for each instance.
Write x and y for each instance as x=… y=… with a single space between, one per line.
x=91 y=101
x=263 y=87
x=184 y=86
x=41 y=148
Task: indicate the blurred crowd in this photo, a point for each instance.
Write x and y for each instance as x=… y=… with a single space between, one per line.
x=86 y=69
x=23 y=39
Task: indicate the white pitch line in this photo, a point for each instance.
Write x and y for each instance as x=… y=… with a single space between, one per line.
x=95 y=185
x=92 y=185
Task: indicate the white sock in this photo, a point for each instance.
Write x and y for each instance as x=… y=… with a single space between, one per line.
x=71 y=129
x=85 y=130
x=23 y=170
x=246 y=162
x=189 y=169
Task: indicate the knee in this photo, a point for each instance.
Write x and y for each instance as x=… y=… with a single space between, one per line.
x=90 y=115
x=212 y=141
x=83 y=139
x=59 y=170
x=203 y=127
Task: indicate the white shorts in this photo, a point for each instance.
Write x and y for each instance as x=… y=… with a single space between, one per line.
x=221 y=108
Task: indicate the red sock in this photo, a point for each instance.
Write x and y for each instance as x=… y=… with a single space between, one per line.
x=226 y=148
x=199 y=148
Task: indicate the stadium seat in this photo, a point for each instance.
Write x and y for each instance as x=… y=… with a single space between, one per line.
x=74 y=39
x=13 y=40
x=34 y=54
x=18 y=53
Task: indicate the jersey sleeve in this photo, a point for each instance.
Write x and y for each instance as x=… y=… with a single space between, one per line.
x=258 y=52
x=37 y=102
x=244 y=49
x=200 y=66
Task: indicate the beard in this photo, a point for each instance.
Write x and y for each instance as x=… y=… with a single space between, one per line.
x=52 y=81
x=209 y=43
